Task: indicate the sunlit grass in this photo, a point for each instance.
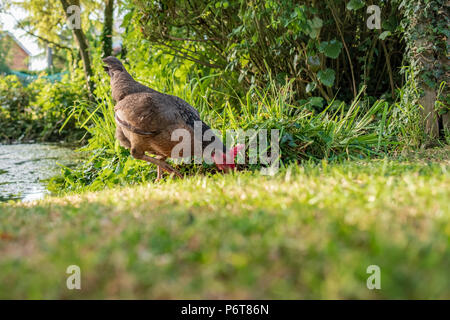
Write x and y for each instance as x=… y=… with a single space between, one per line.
x=308 y=232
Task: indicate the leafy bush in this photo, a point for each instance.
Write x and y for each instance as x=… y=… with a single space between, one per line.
x=15 y=121
x=324 y=47
x=39 y=110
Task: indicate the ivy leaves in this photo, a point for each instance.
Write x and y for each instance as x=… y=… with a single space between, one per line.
x=314 y=27
x=355 y=4
x=326 y=77
x=384 y=35
x=331 y=48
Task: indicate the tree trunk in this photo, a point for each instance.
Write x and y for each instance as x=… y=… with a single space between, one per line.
x=108 y=28
x=82 y=45
x=429 y=114
x=427 y=52
x=445 y=95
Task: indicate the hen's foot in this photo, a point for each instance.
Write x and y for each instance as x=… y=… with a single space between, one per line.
x=162 y=165
x=171 y=170
x=159 y=174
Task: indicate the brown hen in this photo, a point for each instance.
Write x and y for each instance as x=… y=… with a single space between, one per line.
x=147 y=118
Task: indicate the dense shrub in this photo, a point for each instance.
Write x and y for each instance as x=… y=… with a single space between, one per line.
x=39 y=110
x=324 y=47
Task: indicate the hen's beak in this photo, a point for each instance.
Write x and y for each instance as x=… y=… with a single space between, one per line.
x=106 y=68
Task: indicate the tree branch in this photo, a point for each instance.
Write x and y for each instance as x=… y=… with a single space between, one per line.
x=21 y=26
x=355 y=93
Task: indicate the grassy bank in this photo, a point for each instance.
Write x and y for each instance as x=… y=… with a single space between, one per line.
x=309 y=232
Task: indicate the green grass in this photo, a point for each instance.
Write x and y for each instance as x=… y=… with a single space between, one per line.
x=308 y=232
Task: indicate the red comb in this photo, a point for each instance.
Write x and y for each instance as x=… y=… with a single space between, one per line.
x=232 y=153
x=228 y=158
x=235 y=150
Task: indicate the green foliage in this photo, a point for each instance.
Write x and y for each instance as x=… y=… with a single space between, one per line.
x=355 y=4
x=311 y=129
x=3 y=57
x=347 y=132
x=426 y=20
x=425 y=28
x=326 y=77
x=39 y=110
x=14 y=99
x=255 y=40
x=331 y=48
x=253 y=65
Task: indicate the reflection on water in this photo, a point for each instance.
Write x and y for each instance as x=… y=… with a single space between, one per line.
x=24 y=166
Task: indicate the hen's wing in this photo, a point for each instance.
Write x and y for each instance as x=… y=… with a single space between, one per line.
x=154 y=112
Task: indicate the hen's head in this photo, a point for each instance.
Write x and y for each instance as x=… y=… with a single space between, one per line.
x=225 y=161
x=112 y=64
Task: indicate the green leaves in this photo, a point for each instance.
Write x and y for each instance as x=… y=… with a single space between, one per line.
x=310 y=87
x=223 y=4
x=331 y=48
x=314 y=63
x=315 y=25
x=355 y=4
x=127 y=19
x=384 y=35
x=316 y=101
x=327 y=77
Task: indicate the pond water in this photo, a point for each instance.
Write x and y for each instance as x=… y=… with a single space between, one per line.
x=23 y=167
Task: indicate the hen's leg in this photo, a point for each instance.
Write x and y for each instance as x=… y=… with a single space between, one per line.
x=137 y=154
x=162 y=165
x=159 y=174
x=159 y=170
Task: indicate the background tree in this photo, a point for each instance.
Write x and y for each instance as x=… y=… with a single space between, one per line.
x=107 y=28
x=3 y=66
x=426 y=31
x=4 y=49
x=82 y=42
x=47 y=21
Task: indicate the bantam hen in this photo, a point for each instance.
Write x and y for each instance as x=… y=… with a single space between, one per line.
x=147 y=118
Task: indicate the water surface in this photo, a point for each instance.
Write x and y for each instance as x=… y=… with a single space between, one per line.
x=24 y=167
